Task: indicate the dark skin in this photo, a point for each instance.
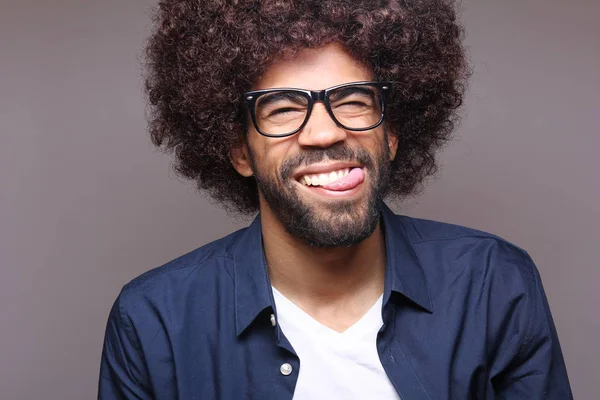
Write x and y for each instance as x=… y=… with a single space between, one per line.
x=336 y=286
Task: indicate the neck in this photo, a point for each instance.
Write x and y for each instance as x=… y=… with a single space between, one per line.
x=317 y=276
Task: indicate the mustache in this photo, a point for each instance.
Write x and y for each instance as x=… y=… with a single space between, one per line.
x=334 y=153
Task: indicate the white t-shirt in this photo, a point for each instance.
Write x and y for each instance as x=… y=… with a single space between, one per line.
x=335 y=365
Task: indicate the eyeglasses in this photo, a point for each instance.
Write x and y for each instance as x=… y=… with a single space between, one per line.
x=355 y=106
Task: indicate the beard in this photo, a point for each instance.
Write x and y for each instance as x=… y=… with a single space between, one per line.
x=340 y=223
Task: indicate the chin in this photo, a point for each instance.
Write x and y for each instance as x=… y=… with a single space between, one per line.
x=337 y=225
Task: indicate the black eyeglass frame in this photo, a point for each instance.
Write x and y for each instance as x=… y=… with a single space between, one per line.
x=313 y=96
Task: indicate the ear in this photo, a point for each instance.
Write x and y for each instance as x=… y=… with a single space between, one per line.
x=241 y=160
x=392 y=141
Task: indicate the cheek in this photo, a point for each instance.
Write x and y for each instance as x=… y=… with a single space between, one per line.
x=374 y=142
x=269 y=153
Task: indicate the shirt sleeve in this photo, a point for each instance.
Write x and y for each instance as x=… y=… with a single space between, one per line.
x=123 y=370
x=538 y=371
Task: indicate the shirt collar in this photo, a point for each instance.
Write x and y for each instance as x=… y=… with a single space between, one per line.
x=403 y=273
x=252 y=285
x=253 y=294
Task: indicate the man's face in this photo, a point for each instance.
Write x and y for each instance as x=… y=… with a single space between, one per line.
x=324 y=184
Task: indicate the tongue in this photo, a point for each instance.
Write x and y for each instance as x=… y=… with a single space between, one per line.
x=350 y=181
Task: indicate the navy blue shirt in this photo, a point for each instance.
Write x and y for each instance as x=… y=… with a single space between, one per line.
x=465 y=317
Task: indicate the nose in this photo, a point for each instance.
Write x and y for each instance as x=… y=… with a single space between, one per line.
x=320 y=130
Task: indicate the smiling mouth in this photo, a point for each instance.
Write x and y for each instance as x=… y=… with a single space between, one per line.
x=341 y=180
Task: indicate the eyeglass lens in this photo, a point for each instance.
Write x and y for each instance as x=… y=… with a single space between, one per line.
x=283 y=112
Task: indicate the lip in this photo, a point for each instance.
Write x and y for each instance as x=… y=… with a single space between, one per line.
x=331 y=194
x=323 y=169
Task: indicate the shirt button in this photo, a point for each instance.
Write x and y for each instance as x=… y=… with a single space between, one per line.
x=273 y=320
x=285 y=369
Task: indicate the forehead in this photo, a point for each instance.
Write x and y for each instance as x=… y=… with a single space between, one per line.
x=314 y=69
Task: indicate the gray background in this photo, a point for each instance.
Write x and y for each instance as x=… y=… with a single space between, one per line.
x=86 y=203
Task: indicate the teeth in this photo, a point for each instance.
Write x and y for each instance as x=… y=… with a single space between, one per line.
x=324 y=179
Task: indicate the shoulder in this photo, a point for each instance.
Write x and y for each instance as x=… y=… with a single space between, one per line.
x=204 y=260
x=459 y=241
x=195 y=278
x=484 y=262
x=422 y=231
x=489 y=291
x=478 y=275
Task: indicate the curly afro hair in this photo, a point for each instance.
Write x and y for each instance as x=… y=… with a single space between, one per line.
x=203 y=55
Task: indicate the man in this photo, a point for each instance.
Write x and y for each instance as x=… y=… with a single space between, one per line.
x=311 y=112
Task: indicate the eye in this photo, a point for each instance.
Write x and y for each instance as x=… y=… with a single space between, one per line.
x=354 y=103
x=280 y=103
x=284 y=110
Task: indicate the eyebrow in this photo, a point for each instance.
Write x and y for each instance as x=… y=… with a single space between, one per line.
x=346 y=91
x=270 y=98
